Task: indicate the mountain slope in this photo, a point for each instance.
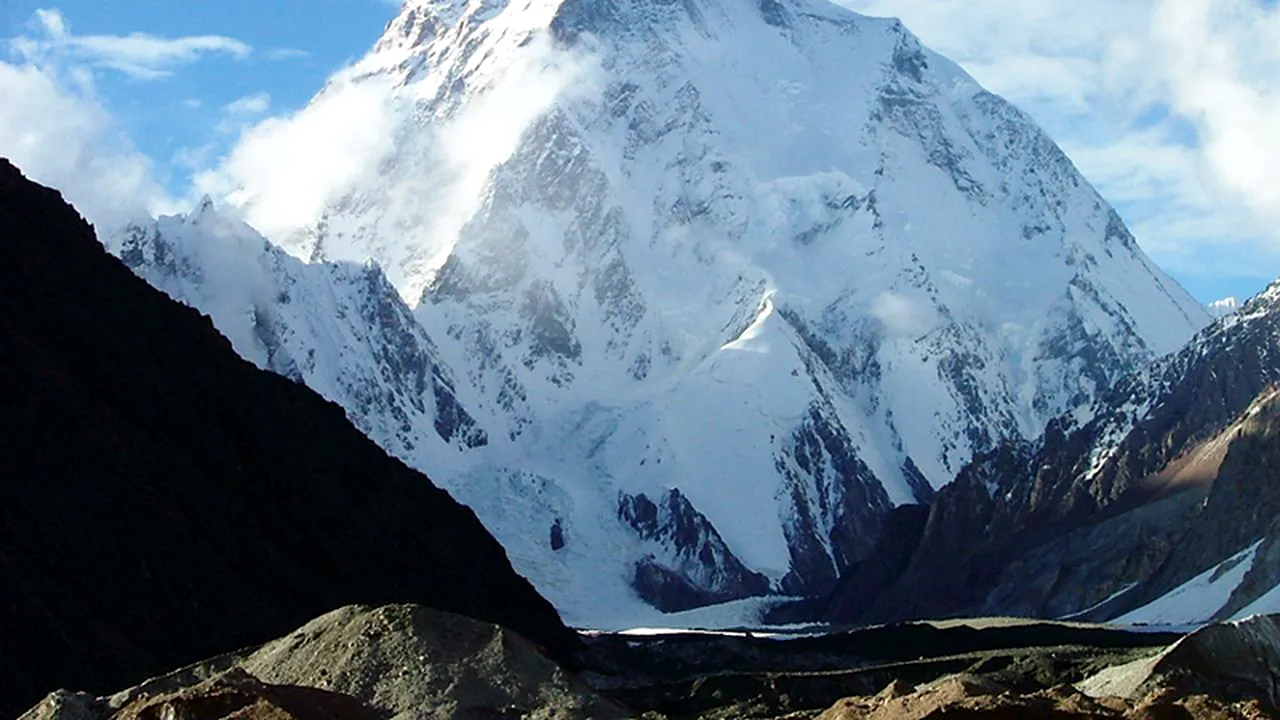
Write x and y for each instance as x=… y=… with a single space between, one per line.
x=1171 y=479
x=775 y=255
x=162 y=500
x=340 y=328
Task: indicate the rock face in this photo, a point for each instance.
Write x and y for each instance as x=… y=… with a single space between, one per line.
x=163 y=500
x=1233 y=662
x=1173 y=478
x=887 y=561
x=969 y=697
x=677 y=530
x=777 y=256
x=360 y=663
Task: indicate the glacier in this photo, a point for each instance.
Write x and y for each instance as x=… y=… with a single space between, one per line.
x=700 y=289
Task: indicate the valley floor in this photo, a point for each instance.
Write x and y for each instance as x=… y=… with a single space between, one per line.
x=408 y=661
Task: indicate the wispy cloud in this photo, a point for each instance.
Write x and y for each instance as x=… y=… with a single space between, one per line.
x=287 y=54
x=142 y=56
x=283 y=171
x=55 y=126
x=239 y=114
x=1172 y=107
x=55 y=129
x=248 y=105
x=277 y=178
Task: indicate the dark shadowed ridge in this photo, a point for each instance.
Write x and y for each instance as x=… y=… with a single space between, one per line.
x=162 y=500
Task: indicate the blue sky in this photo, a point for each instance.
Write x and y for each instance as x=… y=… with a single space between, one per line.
x=296 y=45
x=1171 y=107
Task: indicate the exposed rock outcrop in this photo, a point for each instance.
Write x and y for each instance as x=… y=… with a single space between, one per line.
x=705 y=570
x=1233 y=661
x=898 y=540
x=360 y=663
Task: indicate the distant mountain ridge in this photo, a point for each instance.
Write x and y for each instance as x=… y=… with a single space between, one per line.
x=776 y=256
x=1135 y=515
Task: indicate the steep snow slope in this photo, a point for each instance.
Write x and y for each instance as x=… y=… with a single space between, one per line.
x=776 y=255
x=340 y=328
x=1198 y=600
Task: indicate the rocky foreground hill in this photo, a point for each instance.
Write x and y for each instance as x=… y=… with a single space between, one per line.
x=362 y=663
x=162 y=500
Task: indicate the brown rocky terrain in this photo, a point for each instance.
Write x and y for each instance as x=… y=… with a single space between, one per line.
x=359 y=663
x=402 y=661
x=968 y=697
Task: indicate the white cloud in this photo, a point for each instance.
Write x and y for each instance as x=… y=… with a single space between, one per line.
x=238 y=114
x=255 y=104
x=283 y=171
x=490 y=129
x=142 y=56
x=1223 y=73
x=55 y=127
x=1172 y=107
x=287 y=54
x=902 y=316
x=56 y=131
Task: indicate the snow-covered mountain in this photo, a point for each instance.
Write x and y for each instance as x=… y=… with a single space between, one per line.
x=770 y=254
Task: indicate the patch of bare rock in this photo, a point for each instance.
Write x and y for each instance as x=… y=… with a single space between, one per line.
x=975 y=697
x=359 y=663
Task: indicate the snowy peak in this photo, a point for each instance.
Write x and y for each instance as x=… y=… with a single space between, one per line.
x=770 y=265
x=420 y=21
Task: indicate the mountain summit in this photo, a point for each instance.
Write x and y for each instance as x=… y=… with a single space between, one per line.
x=722 y=282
